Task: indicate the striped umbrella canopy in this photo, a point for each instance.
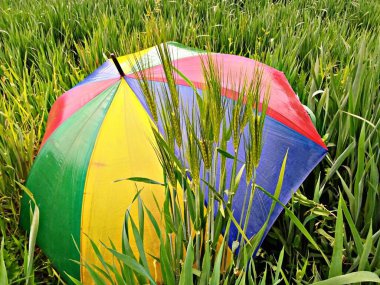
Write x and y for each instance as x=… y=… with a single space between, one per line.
x=100 y=131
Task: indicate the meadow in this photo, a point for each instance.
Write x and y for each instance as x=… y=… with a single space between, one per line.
x=328 y=50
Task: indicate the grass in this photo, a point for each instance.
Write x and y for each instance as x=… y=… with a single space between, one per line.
x=329 y=51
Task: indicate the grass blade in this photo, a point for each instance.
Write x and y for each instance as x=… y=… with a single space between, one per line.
x=360 y=276
x=206 y=265
x=363 y=263
x=133 y=264
x=3 y=269
x=186 y=276
x=336 y=260
x=141 y=179
x=278 y=266
x=32 y=243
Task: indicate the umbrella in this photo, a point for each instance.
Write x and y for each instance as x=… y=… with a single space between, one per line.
x=100 y=131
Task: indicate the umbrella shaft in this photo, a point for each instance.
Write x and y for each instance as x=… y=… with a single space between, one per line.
x=117 y=64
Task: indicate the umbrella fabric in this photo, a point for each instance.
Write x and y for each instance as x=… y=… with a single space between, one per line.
x=100 y=131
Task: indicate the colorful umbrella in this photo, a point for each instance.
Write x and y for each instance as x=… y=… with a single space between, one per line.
x=100 y=131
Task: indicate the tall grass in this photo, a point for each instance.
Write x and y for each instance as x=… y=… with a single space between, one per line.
x=329 y=51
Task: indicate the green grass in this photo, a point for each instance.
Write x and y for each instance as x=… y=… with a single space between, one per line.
x=328 y=50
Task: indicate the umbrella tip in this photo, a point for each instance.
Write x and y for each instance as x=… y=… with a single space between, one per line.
x=117 y=64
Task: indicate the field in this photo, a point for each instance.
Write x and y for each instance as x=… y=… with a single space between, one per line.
x=328 y=50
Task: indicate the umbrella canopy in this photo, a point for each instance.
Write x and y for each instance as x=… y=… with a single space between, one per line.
x=100 y=131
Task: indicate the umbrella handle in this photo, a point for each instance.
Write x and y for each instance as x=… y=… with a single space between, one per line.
x=117 y=64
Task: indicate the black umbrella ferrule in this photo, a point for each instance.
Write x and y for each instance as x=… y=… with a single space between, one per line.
x=117 y=64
